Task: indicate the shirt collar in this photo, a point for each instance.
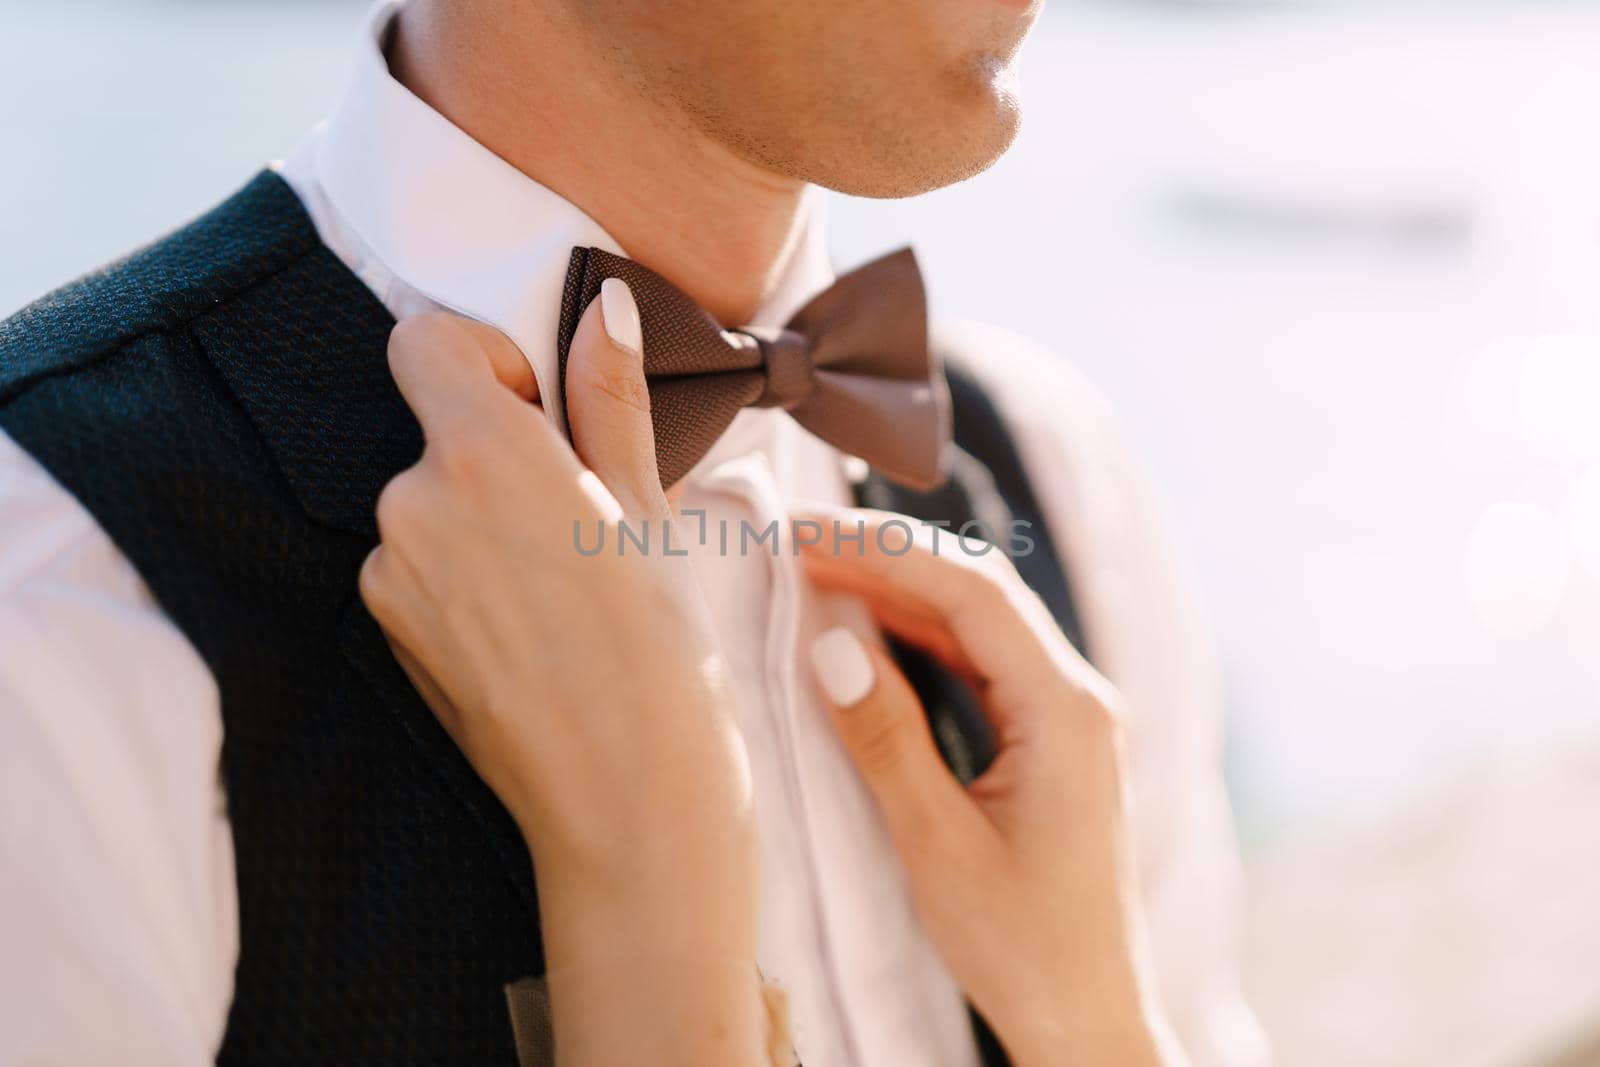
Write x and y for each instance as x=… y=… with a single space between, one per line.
x=452 y=220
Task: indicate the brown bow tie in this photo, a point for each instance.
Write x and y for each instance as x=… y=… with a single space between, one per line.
x=853 y=366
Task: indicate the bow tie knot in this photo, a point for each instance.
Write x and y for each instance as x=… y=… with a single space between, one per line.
x=786 y=366
x=853 y=366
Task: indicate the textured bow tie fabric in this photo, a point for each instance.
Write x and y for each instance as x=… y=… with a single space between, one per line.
x=853 y=366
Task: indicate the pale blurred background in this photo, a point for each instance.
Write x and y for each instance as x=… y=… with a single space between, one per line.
x=1339 y=266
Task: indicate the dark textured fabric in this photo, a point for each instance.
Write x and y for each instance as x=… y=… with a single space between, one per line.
x=221 y=403
x=853 y=366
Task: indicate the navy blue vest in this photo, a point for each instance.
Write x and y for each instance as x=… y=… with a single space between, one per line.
x=221 y=403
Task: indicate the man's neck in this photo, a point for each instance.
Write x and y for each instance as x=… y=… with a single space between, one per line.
x=525 y=82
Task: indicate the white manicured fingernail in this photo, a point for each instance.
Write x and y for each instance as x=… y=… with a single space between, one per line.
x=843 y=667
x=621 y=315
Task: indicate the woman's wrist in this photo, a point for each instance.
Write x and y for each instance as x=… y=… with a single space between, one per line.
x=653 y=961
x=680 y=800
x=638 y=1007
x=1101 y=1042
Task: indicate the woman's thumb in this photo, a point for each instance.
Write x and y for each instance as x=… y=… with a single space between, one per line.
x=608 y=403
x=881 y=723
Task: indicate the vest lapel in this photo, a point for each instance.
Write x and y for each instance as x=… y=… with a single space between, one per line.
x=305 y=355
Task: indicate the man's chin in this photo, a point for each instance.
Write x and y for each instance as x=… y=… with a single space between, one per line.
x=949 y=154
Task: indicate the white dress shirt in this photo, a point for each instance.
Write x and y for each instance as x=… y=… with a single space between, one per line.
x=119 y=920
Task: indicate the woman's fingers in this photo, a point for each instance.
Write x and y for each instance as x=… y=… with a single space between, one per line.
x=455 y=375
x=470 y=388
x=608 y=403
x=970 y=610
x=882 y=726
x=923 y=629
x=439 y=359
x=506 y=361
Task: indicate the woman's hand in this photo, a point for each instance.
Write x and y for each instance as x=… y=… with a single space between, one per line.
x=1024 y=879
x=586 y=689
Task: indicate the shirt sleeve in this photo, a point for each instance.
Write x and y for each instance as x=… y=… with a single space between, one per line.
x=1146 y=632
x=119 y=917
